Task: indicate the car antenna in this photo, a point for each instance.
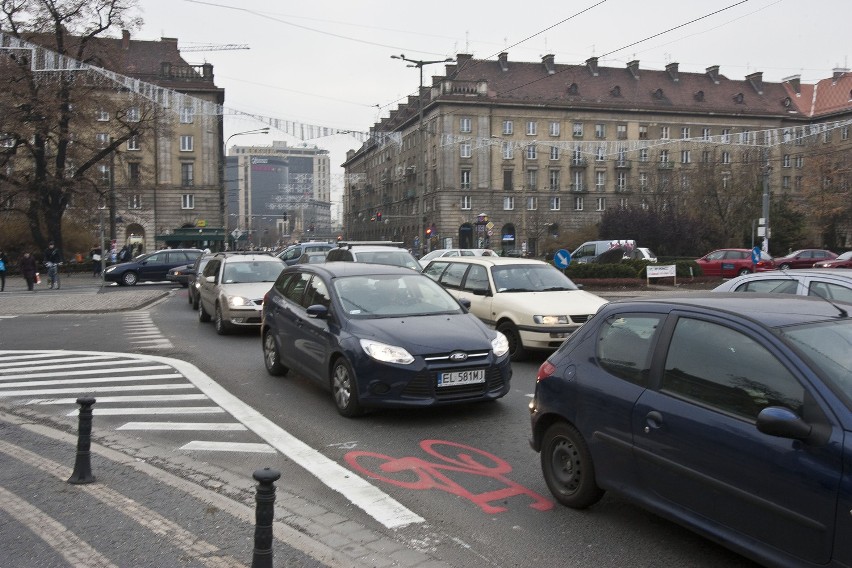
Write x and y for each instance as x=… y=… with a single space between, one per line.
x=843 y=313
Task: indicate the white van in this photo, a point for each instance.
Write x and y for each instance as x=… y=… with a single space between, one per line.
x=590 y=249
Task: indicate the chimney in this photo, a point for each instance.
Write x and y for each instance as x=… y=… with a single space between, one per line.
x=713 y=73
x=838 y=73
x=125 y=39
x=671 y=69
x=503 y=58
x=795 y=82
x=633 y=67
x=548 y=63
x=592 y=64
x=756 y=80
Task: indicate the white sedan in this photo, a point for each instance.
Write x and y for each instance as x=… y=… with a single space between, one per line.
x=830 y=283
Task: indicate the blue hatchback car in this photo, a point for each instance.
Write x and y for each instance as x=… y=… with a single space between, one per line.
x=728 y=413
x=380 y=335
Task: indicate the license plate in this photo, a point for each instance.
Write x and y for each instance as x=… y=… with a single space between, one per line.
x=461 y=378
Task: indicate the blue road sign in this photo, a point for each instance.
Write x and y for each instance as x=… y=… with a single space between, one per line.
x=755 y=255
x=562 y=258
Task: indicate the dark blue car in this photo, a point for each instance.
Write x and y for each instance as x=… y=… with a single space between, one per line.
x=380 y=335
x=728 y=414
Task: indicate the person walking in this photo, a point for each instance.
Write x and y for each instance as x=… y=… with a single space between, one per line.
x=95 y=255
x=3 y=267
x=52 y=260
x=27 y=265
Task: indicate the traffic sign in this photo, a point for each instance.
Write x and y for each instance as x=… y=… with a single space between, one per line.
x=562 y=258
x=755 y=255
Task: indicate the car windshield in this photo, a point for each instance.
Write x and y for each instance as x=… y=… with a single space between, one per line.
x=393 y=258
x=829 y=346
x=251 y=271
x=530 y=278
x=845 y=256
x=393 y=295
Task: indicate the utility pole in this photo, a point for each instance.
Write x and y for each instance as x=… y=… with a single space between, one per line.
x=421 y=143
x=766 y=169
x=223 y=157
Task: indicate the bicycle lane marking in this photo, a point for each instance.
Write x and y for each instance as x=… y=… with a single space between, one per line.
x=361 y=493
x=436 y=475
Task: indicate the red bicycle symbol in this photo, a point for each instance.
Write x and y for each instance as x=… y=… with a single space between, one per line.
x=416 y=473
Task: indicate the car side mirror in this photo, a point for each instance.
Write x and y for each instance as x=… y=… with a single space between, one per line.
x=210 y=279
x=465 y=303
x=783 y=423
x=481 y=292
x=317 y=311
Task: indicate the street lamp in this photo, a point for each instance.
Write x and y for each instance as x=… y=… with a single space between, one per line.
x=222 y=223
x=421 y=161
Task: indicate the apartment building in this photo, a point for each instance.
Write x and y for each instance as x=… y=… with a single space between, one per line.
x=515 y=153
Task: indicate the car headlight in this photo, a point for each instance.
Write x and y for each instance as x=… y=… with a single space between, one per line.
x=239 y=301
x=500 y=345
x=386 y=353
x=551 y=320
x=111 y=268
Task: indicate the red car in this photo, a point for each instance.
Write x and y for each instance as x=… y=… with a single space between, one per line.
x=805 y=258
x=728 y=263
x=842 y=261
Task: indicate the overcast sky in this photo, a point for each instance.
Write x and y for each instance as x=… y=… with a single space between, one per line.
x=328 y=63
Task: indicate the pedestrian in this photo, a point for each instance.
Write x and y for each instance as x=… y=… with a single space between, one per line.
x=27 y=265
x=95 y=255
x=3 y=262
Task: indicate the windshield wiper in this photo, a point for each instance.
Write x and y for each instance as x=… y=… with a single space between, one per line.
x=557 y=289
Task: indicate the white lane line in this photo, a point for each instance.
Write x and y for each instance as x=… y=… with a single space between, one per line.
x=229 y=447
x=114 y=360
x=91 y=390
x=140 y=398
x=180 y=426
x=7 y=317
x=16 y=356
x=12 y=385
x=159 y=339
x=79 y=373
x=152 y=410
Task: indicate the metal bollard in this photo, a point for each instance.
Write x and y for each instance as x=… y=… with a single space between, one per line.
x=264 y=513
x=83 y=464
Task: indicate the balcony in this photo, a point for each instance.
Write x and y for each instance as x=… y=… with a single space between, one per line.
x=623 y=164
x=579 y=162
x=623 y=189
x=579 y=188
x=665 y=165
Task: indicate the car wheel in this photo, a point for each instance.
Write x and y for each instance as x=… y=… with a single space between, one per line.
x=344 y=389
x=743 y=272
x=784 y=266
x=271 y=356
x=516 y=346
x=222 y=327
x=567 y=467
x=203 y=316
x=129 y=278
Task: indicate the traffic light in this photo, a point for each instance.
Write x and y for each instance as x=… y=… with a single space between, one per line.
x=428 y=231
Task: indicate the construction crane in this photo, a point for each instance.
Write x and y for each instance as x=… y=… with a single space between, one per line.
x=215 y=47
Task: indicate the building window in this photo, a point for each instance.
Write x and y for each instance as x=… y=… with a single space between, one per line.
x=600 y=131
x=726 y=157
x=554 y=129
x=133 y=143
x=785 y=161
x=187 y=115
x=664 y=133
x=465 y=150
x=643 y=154
x=508 y=203
x=102 y=139
x=6 y=140
x=684 y=157
x=664 y=156
x=532 y=128
x=532 y=203
x=705 y=156
x=785 y=182
x=600 y=204
x=554 y=152
x=578 y=184
x=621 y=181
x=799 y=137
x=508 y=153
x=643 y=132
x=187 y=173
x=133 y=114
x=554 y=180
x=600 y=152
x=508 y=185
x=104 y=174
x=465 y=179
x=186 y=141
x=726 y=181
x=465 y=125
x=798 y=183
x=745 y=137
x=102 y=115
x=555 y=203
x=844 y=133
x=135 y=201
x=684 y=133
x=706 y=133
x=532 y=154
x=800 y=161
x=578 y=204
x=466 y=203
x=134 y=173
x=508 y=127
x=643 y=181
x=600 y=181
x=187 y=201
x=577 y=130
x=726 y=135
x=621 y=131
x=532 y=179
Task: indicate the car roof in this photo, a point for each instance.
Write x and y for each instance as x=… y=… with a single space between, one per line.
x=337 y=269
x=768 y=310
x=371 y=248
x=489 y=260
x=795 y=274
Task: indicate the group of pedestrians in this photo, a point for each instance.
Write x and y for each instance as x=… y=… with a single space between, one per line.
x=29 y=267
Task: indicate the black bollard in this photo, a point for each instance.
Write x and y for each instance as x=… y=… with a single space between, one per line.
x=264 y=513
x=83 y=464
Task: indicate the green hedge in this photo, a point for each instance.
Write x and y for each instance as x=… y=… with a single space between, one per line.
x=629 y=269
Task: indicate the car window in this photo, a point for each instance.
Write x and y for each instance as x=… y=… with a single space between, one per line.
x=452 y=277
x=717 y=255
x=339 y=254
x=830 y=291
x=392 y=258
x=296 y=287
x=467 y=253
x=434 y=269
x=157 y=258
x=829 y=347
x=212 y=268
x=373 y=296
x=770 y=286
x=477 y=279
x=624 y=346
x=316 y=293
x=315 y=248
x=722 y=368
x=291 y=254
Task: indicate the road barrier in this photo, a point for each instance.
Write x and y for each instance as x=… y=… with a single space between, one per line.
x=83 y=464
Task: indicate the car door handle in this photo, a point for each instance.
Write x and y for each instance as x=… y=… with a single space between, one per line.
x=653 y=420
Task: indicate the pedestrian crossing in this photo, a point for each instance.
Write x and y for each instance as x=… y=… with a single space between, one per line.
x=143 y=333
x=127 y=388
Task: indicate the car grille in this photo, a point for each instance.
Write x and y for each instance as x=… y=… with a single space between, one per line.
x=423 y=385
x=580 y=319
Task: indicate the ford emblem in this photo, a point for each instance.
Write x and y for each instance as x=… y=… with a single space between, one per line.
x=458 y=356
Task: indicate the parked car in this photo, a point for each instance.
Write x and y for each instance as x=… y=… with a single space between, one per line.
x=312 y=257
x=438 y=253
x=842 y=261
x=532 y=303
x=642 y=253
x=727 y=413
x=589 y=250
x=804 y=258
x=391 y=254
x=194 y=280
x=380 y=336
x=151 y=267
x=834 y=284
x=291 y=254
x=180 y=274
x=728 y=263
x=232 y=289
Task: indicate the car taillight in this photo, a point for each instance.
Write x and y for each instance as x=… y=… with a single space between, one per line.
x=547 y=369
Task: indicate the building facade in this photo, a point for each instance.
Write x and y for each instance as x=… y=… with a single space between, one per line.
x=278 y=194
x=508 y=155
